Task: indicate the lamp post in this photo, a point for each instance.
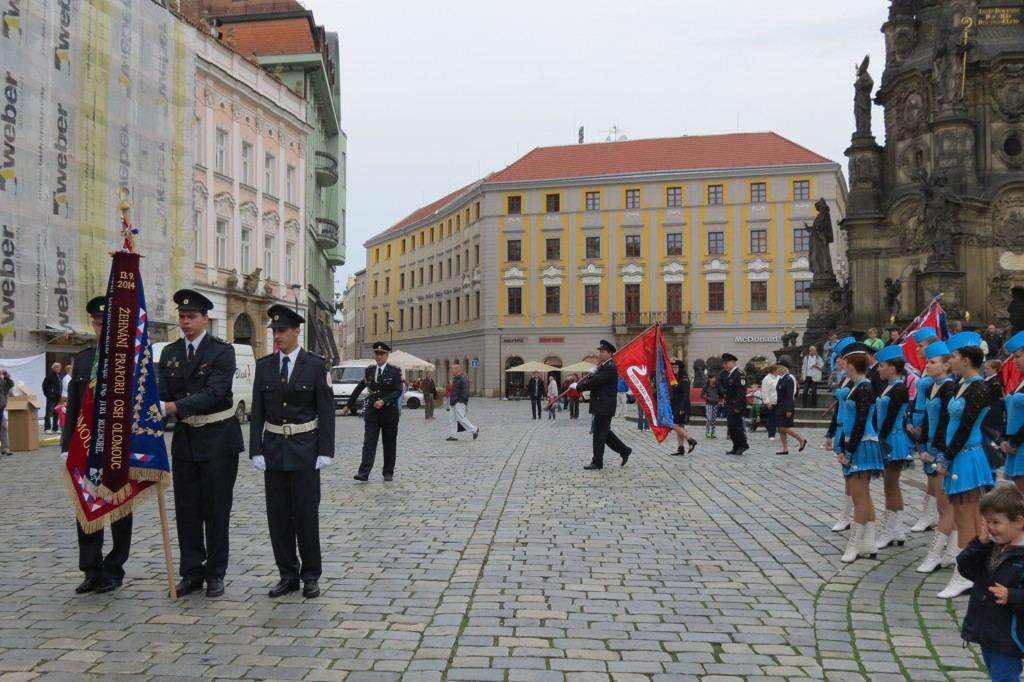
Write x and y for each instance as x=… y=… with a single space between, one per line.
x=391 y=333
x=295 y=295
x=501 y=379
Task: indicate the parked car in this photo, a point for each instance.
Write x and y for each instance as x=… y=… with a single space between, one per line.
x=412 y=399
x=344 y=378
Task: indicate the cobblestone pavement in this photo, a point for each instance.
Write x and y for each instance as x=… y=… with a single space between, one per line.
x=500 y=559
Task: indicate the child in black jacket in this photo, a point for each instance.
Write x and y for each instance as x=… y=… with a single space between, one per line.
x=995 y=562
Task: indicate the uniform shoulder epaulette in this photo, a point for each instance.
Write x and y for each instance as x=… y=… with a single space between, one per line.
x=217 y=339
x=317 y=355
x=266 y=357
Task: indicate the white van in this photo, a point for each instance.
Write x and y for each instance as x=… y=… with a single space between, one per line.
x=344 y=378
x=241 y=387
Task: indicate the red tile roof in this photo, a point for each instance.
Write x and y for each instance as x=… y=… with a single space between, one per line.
x=274 y=36
x=704 y=152
x=430 y=209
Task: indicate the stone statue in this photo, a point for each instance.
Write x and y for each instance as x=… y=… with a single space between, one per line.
x=862 y=98
x=938 y=216
x=233 y=279
x=252 y=280
x=700 y=373
x=790 y=338
x=819 y=257
x=892 y=296
x=948 y=60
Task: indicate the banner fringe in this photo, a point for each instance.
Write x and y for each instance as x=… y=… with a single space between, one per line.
x=152 y=475
x=115 y=514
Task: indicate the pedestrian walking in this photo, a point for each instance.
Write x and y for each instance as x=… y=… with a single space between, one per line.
x=51 y=391
x=785 y=389
x=537 y=390
x=574 y=397
x=681 y=408
x=291 y=439
x=553 y=391
x=810 y=375
x=711 y=394
x=552 y=407
x=734 y=399
x=383 y=382
x=890 y=417
x=602 y=382
x=770 y=398
x=447 y=395
x=429 y=389
x=459 y=401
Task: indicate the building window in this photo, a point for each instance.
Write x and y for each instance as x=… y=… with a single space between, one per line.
x=802 y=295
x=593 y=201
x=268 y=256
x=553 y=300
x=759 y=241
x=716 y=296
x=289 y=184
x=553 y=249
x=801 y=190
x=674 y=196
x=593 y=247
x=401 y=281
x=245 y=262
x=458 y=264
x=759 y=296
x=514 y=250
x=246 y=173
x=591 y=298
x=222 y=243
x=289 y=263
x=801 y=239
x=632 y=198
x=552 y=203
x=431 y=273
x=674 y=244
x=448 y=311
x=515 y=207
x=220 y=159
x=632 y=246
x=387 y=285
x=449 y=268
x=515 y=300
x=758 y=192
x=716 y=243
x=269 y=176
x=716 y=195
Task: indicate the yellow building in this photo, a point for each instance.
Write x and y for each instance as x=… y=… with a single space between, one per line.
x=569 y=245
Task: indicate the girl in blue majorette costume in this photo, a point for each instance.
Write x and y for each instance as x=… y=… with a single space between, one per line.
x=890 y=415
x=924 y=337
x=845 y=514
x=1012 y=442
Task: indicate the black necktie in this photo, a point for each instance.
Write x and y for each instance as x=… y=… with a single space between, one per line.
x=380 y=370
x=191 y=354
x=284 y=370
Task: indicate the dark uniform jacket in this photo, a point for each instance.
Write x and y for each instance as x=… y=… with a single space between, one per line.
x=306 y=397
x=81 y=370
x=602 y=385
x=734 y=390
x=205 y=388
x=388 y=389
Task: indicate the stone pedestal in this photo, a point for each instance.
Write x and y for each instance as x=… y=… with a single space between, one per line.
x=865 y=176
x=949 y=283
x=830 y=309
x=953 y=153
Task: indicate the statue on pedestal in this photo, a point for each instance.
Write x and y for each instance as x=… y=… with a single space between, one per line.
x=862 y=99
x=819 y=257
x=892 y=297
x=938 y=218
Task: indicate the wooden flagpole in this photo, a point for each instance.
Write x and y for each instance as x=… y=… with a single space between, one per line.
x=165 y=529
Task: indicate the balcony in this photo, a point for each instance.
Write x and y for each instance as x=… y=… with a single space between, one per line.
x=326 y=233
x=326 y=169
x=672 y=321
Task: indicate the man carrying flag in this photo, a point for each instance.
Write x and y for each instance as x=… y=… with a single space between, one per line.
x=601 y=383
x=102 y=574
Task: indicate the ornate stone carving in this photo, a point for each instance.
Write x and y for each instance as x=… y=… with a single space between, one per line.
x=1008 y=91
x=1008 y=217
x=904 y=43
x=955 y=149
x=233 y=279
x=863 y=171
x=914 y=159
x=252 y=280
x=910 y=229
x=912 y=110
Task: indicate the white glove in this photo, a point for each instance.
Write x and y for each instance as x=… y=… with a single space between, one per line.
x=573 y=385
x=260 y=462
x=323 y=462
x=64 y=457
x=593 y=370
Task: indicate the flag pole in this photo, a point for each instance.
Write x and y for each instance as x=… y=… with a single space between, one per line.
x=935 y=299
x=165 y=529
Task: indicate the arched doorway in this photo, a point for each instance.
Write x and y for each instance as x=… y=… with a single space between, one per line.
x=554 y=361
x=515 y=382
x=242 y=330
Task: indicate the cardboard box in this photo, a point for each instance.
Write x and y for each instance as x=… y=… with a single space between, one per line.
x=23 y=421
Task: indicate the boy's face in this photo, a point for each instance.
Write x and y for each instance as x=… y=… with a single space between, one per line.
x=1005 y=531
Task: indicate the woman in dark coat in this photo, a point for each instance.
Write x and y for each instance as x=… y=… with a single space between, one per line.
x=681 y=408
x=786 y=408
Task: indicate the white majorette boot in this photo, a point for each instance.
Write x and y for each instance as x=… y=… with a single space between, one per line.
x=952 y=549
x=844 y=516
x=853 y=544
x=899 y=531
x=884 y=538
x=957 y=586
x=934 y=556
x=929 y=516
x=868 y=544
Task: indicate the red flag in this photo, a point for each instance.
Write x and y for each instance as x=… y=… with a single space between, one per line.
x=934 y=317
x=642 y=359
x=1010 y=375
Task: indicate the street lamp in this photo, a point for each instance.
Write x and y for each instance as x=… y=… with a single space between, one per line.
x=391 y=333
x=295 y=295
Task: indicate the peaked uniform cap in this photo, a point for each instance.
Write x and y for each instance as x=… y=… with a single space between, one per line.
x=96 y=307
x=283 y=317
x=187 y=299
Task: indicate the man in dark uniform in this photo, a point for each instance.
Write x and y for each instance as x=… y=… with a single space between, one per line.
x=102 y=574
x=380 y=411
x=602 y=383
x=291 y=438
x=196 y=373
x=734 y=390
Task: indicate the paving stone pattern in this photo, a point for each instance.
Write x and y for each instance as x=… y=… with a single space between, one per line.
x=500 y=559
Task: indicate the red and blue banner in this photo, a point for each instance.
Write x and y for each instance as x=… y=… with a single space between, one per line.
x=644 y=365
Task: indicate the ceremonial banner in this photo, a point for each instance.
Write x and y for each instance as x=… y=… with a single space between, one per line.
x=641 y=360
x=934 y=317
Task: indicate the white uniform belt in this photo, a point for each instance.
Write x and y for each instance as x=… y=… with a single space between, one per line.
x=204 y=419
x=291 y=429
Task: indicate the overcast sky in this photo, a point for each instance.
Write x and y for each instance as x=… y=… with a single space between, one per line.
x=435 y=95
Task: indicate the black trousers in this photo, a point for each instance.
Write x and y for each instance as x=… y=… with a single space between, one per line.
x=203 y=494
x=90 y=550
x=293 y=516
x=734 y=420
x=604 y=436
x=372 y=431
x=50 y=421
x=574 y=408
x=536 y=406
x=810 y=392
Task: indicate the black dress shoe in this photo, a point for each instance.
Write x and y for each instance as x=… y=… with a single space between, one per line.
x=361 y=477
x=782 y=452
x=310 y=590
x=693 y=443
x=592 y=466
x=188 y=585
x=389 y=477
x=625 y=456
x=733 y=452
x=87 y=585
x=803 y=445
x=451 y=438
x=104 y=585
x=678 y=453
x=740 y=451
x=283 y=587
x=476 y=433
x=214 y=587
